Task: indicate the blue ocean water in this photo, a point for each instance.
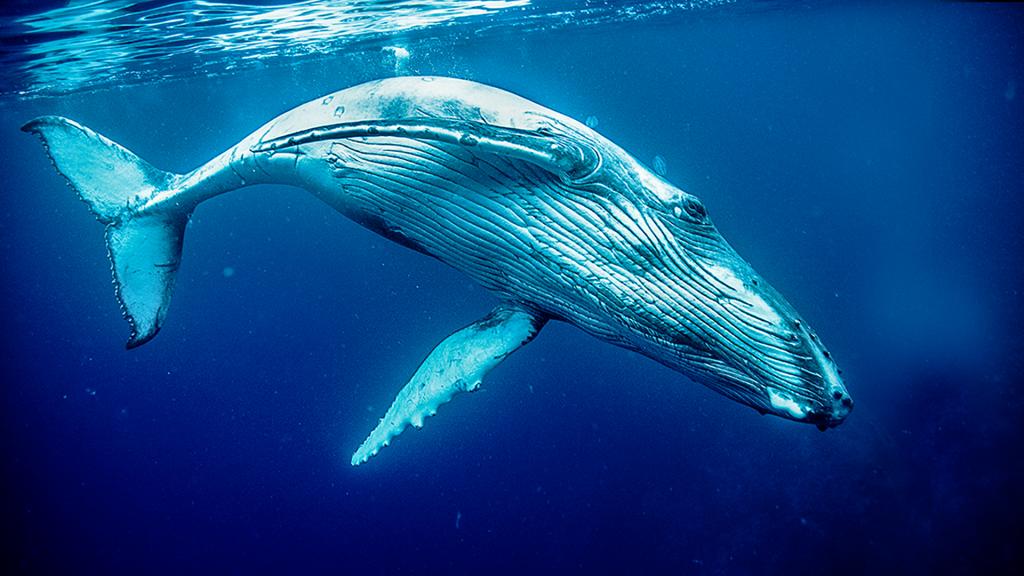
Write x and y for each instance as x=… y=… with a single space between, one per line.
x=864 y=157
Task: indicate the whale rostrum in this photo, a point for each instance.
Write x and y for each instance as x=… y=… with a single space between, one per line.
x=552 y=218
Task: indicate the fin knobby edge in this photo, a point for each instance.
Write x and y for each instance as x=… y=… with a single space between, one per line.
x=458 y=364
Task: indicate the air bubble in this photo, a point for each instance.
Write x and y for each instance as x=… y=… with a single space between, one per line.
x=398 y=57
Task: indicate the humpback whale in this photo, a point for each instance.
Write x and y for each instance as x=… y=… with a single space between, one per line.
x=552 y=218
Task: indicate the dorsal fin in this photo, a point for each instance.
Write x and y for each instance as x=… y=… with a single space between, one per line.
x=552 y=152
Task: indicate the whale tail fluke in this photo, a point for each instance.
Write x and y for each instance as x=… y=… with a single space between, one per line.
x=144 y=246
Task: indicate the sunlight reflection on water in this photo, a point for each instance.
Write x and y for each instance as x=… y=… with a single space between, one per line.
x=103 y=42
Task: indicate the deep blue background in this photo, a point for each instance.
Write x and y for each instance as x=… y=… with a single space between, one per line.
x=866 y=160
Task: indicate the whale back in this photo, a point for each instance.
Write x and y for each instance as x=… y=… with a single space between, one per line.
x=419 y=97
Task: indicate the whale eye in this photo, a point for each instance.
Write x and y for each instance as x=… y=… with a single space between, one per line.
x=695 y=209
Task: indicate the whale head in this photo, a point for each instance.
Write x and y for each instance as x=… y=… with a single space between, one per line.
x=689 y=301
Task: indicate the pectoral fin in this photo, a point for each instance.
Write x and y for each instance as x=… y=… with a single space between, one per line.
x=457 y=364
